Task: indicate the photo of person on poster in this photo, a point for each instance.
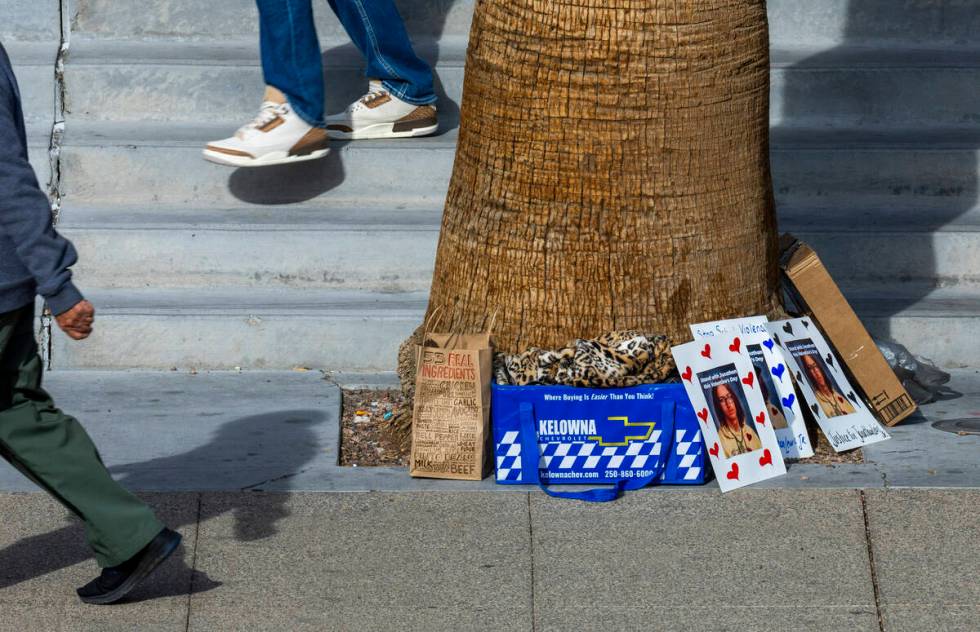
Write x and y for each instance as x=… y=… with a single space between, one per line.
x=736 y=430
x=828 y=394
x=831 y=400
x=772 y=399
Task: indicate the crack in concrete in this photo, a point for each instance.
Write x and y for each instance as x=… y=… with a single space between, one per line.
x=190 y=584
x=530 y=534
x=54 y=160
x=276 y=479
x=871 y=560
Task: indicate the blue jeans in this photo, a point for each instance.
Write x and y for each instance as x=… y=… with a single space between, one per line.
x=291 y=52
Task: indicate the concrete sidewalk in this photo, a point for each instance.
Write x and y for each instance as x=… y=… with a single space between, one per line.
x=871 y=560
x=279 y=537
x=279 y=431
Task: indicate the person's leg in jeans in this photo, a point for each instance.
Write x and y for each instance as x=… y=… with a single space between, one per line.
x=291 y=60
x=378 y=31
x=290 y=124
x=53 y=450
x=401 y=100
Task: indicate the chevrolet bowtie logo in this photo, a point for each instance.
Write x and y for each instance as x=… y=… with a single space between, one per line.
x=618 y=436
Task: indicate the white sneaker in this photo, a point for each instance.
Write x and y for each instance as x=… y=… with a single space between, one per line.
x=276 y=136
x=380 y=114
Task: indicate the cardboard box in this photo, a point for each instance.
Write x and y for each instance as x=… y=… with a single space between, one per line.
x=810 y=287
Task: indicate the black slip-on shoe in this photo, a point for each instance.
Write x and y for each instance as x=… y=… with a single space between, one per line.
x=115 y=582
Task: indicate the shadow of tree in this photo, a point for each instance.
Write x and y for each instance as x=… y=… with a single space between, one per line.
x=920 y=172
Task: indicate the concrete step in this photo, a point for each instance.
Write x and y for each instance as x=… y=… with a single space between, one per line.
x=221 y=83
x=30 y=21
x=823 y=23
x=111 y=164
x=37 y=148
x=33 y=61
x=216 y=83
x=135 y=164
x=940 y=324
x=33 y=64
x=385 y=251
x=830 y=23
x=933 y=244
x=223 y=328
x=394 y=250
x=202 y=19
x=361 y=331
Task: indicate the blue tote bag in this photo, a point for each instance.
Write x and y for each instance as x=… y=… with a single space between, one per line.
x=626 y=438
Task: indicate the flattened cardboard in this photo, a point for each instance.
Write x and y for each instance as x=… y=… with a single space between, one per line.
x=811 y=287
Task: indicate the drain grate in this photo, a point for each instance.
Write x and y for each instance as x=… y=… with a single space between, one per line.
x=959 y=426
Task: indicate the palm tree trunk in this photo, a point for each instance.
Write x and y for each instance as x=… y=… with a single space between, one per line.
x=612 y=170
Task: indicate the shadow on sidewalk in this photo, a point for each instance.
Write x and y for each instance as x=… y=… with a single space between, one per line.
x=242 y=455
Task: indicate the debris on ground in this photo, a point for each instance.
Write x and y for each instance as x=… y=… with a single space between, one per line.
x=367 y=433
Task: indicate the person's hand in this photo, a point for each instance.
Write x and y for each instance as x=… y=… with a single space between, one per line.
x=77 y=322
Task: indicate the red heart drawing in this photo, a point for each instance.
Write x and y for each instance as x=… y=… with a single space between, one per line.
x=733 y=474
x=706 y=352
x=736 y=345
x=714 y=450
x=749 y=379
x=687 y=374
x=703 y=414
x=761 y=418
x=766 y=458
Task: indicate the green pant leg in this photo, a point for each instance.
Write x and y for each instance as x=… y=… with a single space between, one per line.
x=53 y=450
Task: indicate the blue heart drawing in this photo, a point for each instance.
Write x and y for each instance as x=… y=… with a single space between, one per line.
x=778 y=371
x=769 y=344
x=788 y=401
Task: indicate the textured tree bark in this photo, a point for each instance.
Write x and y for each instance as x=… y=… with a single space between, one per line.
x=612 y=170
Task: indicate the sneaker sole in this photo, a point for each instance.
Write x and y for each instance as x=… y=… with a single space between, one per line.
x=148 y=564
x=381 y=130
x=275 y=158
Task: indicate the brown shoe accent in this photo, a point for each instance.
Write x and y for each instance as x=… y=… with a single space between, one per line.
x=314 y=140
x=274 y=95
x=422 y=116
x=273 y=124
x=230 y=152
x=341 y=128
x=373 y=101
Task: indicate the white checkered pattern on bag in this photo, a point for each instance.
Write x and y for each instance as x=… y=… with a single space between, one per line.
x=576 y=455
x=509 y=459
x=687 y=446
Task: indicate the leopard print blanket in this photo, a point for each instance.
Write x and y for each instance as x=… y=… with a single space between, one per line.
x=613 y=360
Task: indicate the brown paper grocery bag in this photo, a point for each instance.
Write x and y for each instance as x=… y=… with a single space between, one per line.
x=451 y=421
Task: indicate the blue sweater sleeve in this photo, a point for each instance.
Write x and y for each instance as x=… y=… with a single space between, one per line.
x=25 y=213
